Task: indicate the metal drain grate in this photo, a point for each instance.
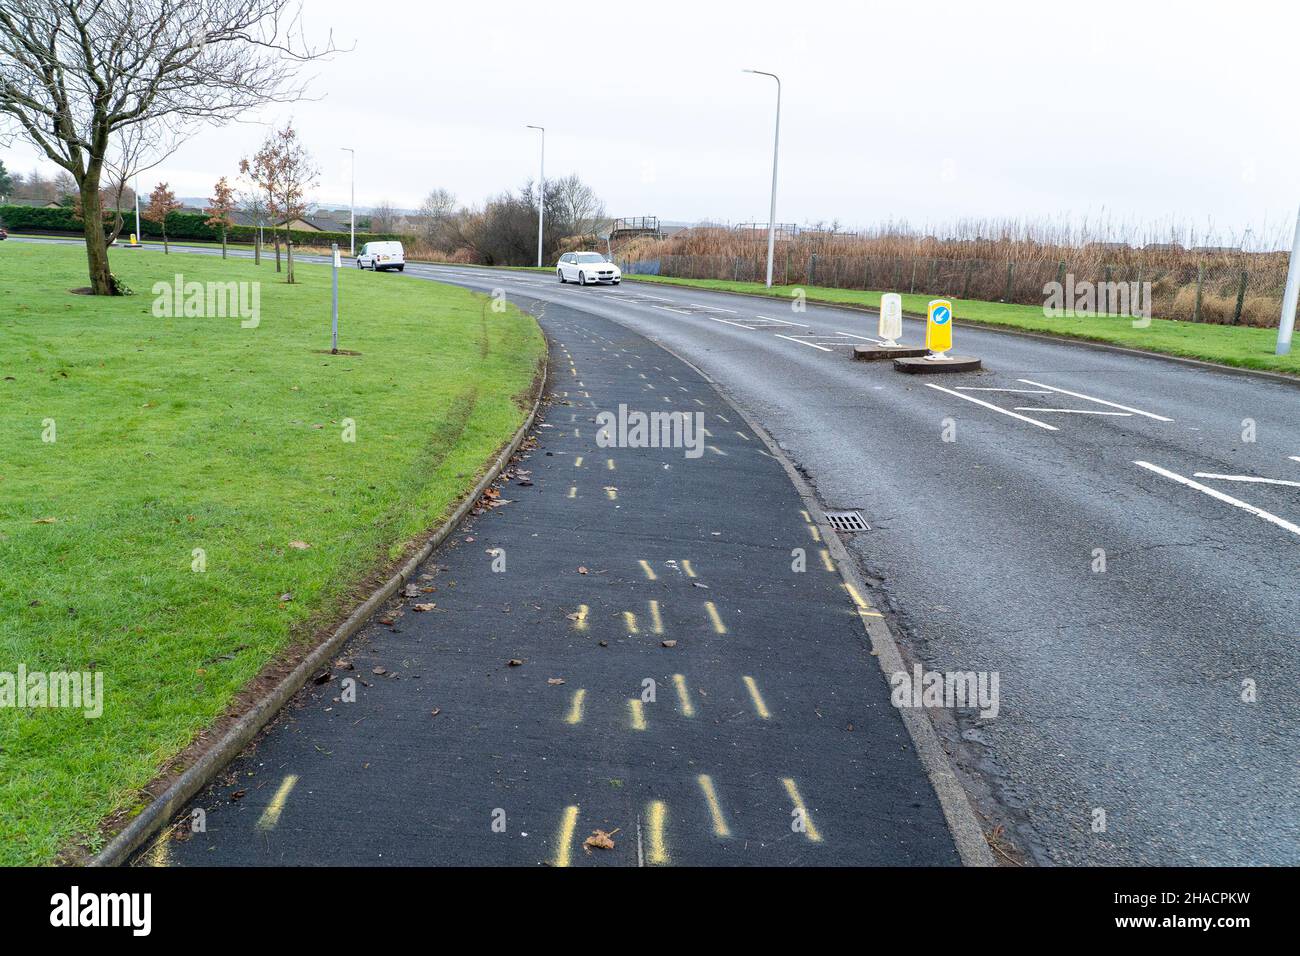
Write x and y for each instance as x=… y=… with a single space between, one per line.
x=847 y=521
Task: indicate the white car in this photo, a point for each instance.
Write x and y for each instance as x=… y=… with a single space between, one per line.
x=585 y=267
x=378 y=256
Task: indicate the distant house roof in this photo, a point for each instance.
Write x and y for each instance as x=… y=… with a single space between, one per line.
x=35 y=203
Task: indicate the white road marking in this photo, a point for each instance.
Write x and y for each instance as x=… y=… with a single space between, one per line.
x=710 y=308
x=865 y=338
x=1294 y=457
x=1072 y=411
x=802 y=342
x=670 y=309
x=1227 y=499
x=1016 y=391
x=996 y=408
x=739 y=325
x=1099 y=401
x=1252 y=478
x=768 y=318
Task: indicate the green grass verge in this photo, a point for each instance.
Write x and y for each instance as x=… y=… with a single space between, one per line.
x=177 y=434
x=1227 y=344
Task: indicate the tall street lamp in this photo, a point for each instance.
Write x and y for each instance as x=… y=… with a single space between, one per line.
x=352 y=204
x=776 y=147
x=541 y=195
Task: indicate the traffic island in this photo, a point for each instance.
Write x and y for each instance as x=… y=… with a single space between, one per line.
x=874 y=353
x=929 y=365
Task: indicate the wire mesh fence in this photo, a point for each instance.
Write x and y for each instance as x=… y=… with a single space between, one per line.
x=1247 y=291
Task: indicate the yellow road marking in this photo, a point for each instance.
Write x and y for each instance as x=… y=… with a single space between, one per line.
x=686 y=566
x=577 y=462
x=715 y=618
x=637 y=712
x=683 y=695
x=806 y=517
x=816 y=535
x=656 y=622
x=564 y=839
x=865 y=613
x=629 y=620
x=757 y=698
x=573 y=491
x=271 y=815
x=611 y=493
x=810 y=831
x=575 y=707
x=580 y=622
x=720 y=827
x=655 y=812
x=857 y=598
x=609 y=463
x=826 y=561
x=649 y=571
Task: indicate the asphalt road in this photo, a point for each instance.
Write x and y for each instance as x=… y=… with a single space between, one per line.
x=625 y=646
x=1122 y=736
x=1116 y=537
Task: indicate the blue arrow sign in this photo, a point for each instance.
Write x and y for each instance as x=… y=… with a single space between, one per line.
x=942 y=315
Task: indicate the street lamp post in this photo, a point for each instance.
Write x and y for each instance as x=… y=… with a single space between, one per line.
x=352 y=204
x=776 y=148
x=541 y=195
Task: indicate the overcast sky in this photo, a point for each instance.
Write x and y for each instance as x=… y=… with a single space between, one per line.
x=925 y=111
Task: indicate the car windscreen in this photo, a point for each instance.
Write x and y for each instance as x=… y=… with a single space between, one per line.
x=590 y=257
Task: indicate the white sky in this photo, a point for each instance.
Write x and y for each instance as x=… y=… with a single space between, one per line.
x=924 y=111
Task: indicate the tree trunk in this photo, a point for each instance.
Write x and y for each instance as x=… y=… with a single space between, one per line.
x=101 y=279
x=166 y=248
x=223 y=243
x=277 y=250
x=288 y=246
x=257 y=246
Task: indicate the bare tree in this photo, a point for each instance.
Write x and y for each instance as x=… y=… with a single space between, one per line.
x=75 y=72
x=162 y=202
x=253 y=206
x=283 y=171
x=435 y=217
x=383 y=218
x=580 y=209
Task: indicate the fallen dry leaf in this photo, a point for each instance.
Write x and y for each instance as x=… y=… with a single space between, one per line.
x=555 y=680
x=668 y=643
x=299 y=545
x=515 y=662
x=379 y=671
x=582 y=570
x=46 y=521
x=423 y=607
x=600 y=840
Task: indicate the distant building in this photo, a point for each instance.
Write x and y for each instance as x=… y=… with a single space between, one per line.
x=35 y=203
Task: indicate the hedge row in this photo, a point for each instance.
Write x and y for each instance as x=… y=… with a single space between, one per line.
x=180 y=226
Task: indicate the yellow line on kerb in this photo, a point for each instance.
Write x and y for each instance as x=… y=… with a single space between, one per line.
x=720 y=827
x=853 y=593
x=809 y=830
x=580 y=622
x=609 y=463
x=686 y=566
x=826 y=561
x=759 y=706
x=564 y=839
x=636 y=711
x=629 y=621
x=271 y=815
x=656 y=622
x=577 y=462
x=573 y=491
x=714 y=617
x=649 y=571
x=655 y=812
x=575 y=707
x=816 y=535
x=683 y=695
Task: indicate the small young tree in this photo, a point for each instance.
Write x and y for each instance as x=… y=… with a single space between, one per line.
x=219 y=209
x=253 y=206
x=162 y=202
x=6 y=182
x=283 y=171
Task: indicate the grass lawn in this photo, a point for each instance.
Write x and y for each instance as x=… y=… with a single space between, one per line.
x=1230 y=345
x=178 y=434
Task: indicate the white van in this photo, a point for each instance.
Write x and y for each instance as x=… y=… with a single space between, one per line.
x=378 y=256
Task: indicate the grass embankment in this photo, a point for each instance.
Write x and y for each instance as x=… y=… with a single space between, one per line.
x=1241 y=346
x=179 y=441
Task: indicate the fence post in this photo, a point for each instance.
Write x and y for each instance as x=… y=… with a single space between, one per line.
x=929 y=279
x=785 y=279
x=965 y=288
x=1200 y=275
x=1241 y=297
x=1011 y=268
x=912 y=286
x=812 y=269
x=1060 y=273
